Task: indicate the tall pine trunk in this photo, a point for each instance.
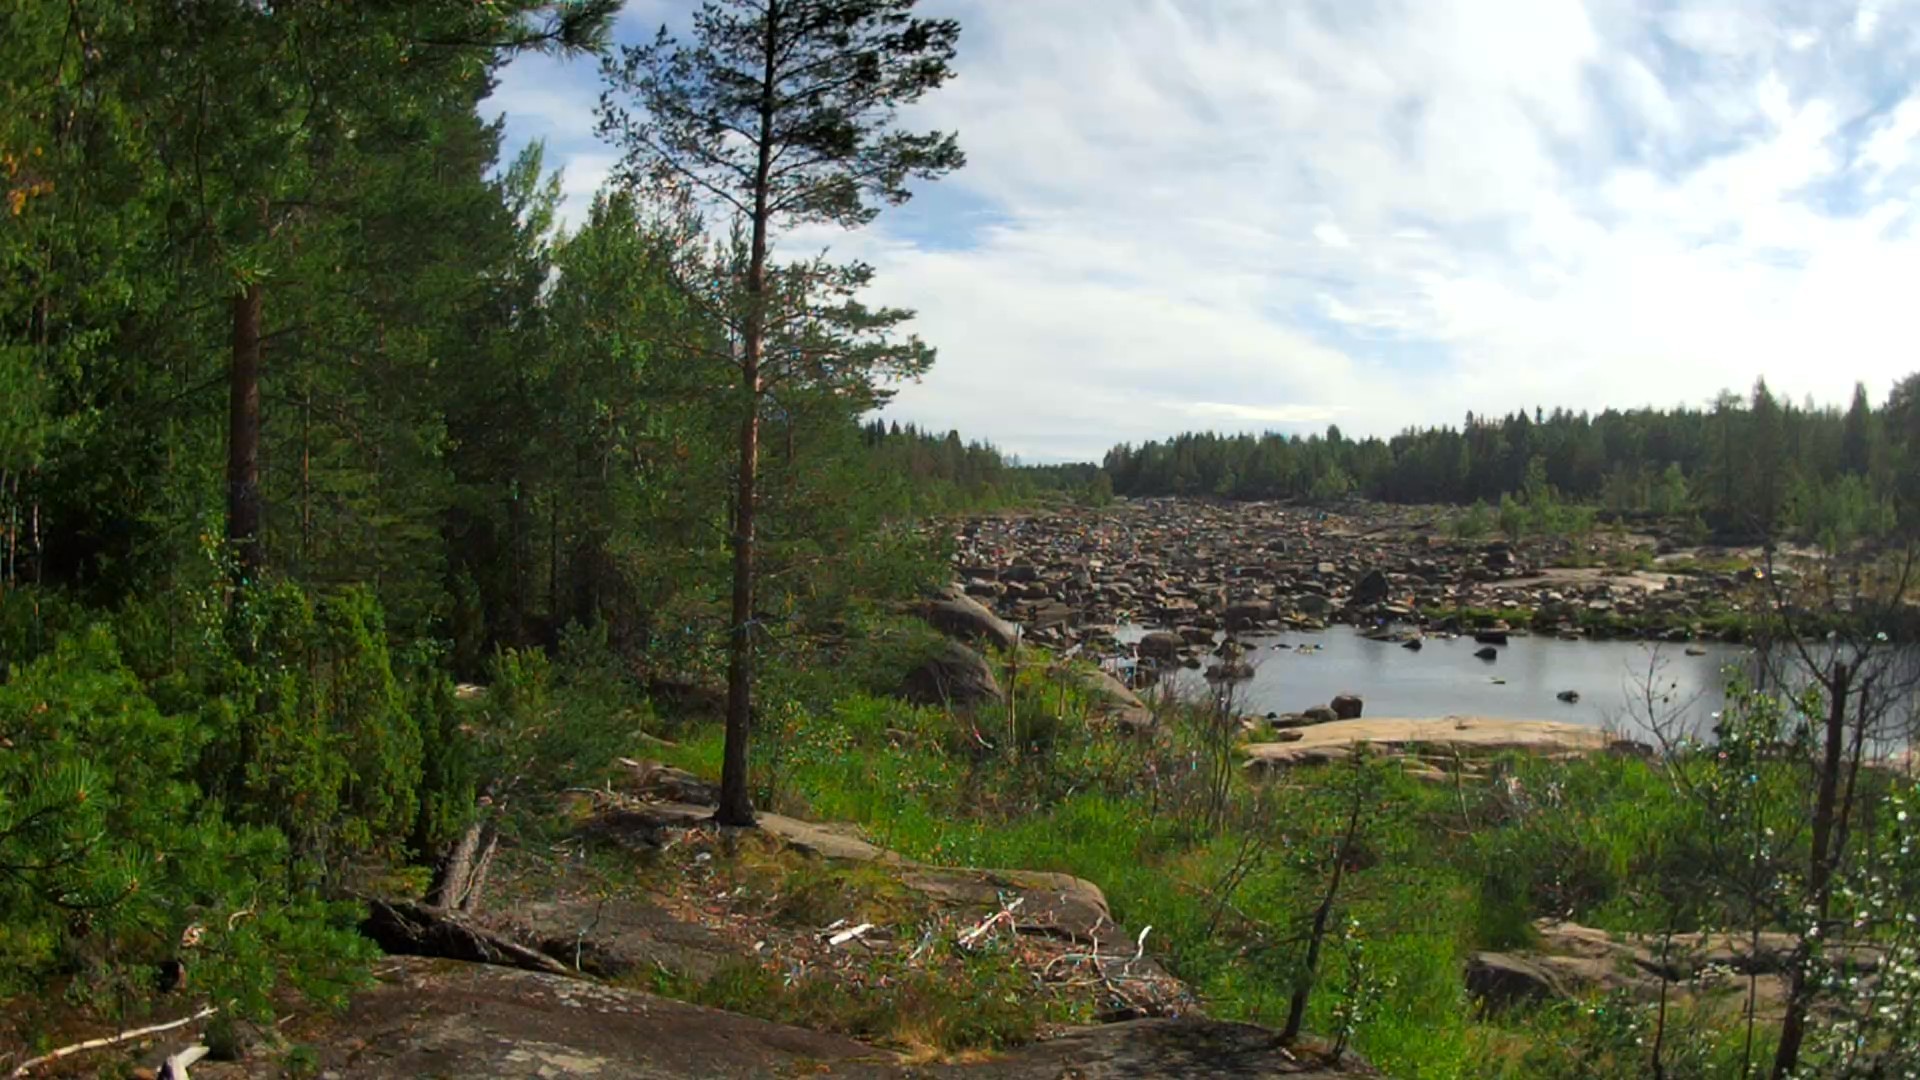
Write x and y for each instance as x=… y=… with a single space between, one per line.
x=736 y=805
x=243 y=436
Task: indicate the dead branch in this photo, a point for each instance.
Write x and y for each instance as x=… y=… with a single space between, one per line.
x=30 y=1064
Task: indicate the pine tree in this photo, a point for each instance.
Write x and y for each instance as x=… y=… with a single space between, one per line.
x=781 y=112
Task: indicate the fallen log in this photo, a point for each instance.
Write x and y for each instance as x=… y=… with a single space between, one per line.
x=407 y=928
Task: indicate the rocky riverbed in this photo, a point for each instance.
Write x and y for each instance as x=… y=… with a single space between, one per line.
x=1193 y=569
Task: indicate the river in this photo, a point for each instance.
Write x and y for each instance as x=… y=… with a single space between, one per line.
x=1297 y=670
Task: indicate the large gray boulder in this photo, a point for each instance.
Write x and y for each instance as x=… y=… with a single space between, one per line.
x=1371 y=589
x=954 y=676
x=957 y=615
x=1346 y=707
x=1113 y=700
x=1162 y=645
x=1500 y=981
x=1243 y=616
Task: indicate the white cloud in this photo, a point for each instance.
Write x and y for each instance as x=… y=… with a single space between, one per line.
x=1866 y=20
x=1332 y=235
x=1213 y=411
x=1237 y=213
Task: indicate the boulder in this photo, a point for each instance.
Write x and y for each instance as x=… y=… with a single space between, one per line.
x=1320 y=714
x=1488 y=652
x=1161 y=645
x=1245 y=615
x=1467 y=736
x=615 y=937
x=1371 y=589
x=664 y=783
x=1346 y=707
x=1050 y=613
x=1112 y=699
x=955 y=675
x=445 y=1018
x=1499 y=981
x=1412 y=644
x=1230 y=671
x=1498 y=557
x=1569 y=696
x=1169 y=1048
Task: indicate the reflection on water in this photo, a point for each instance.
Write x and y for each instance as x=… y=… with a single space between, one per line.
x=1297 y=670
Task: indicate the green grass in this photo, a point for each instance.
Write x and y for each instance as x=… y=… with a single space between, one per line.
x=1705 y=564
x=1445 y=871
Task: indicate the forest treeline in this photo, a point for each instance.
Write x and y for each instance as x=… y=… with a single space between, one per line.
x=1748 y=466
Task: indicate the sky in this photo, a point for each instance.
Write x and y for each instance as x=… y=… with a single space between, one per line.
x=1282 y=214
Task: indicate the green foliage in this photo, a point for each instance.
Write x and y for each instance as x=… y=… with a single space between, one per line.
x=449 y=764
x=109 y=853
x=1868 y=1031
x=483 y=444
x=1613 y=1038
x=1475 y=522
x=90 y=798
x=1837 y=515
x=326 y=748
x=1623 y=843
x=546 y=724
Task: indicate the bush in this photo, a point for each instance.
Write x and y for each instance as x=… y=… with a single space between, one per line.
x=321 y=743
x=547 y=725
x=91 y=795
x=111 y=860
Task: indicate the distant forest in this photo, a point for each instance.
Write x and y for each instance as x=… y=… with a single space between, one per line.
x=1753 y=465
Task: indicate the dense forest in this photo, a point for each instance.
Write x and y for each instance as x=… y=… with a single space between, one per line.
x=1747 y=466
x=308 y=408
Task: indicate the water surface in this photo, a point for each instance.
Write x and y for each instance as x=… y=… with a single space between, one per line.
x=1294 y=671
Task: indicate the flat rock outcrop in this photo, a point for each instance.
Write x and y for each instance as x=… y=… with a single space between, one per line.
x=1469 y=735
x=447 y=1018
x=1569 y=961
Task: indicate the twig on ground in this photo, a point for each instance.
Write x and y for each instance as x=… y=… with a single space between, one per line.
x=30 y=1064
